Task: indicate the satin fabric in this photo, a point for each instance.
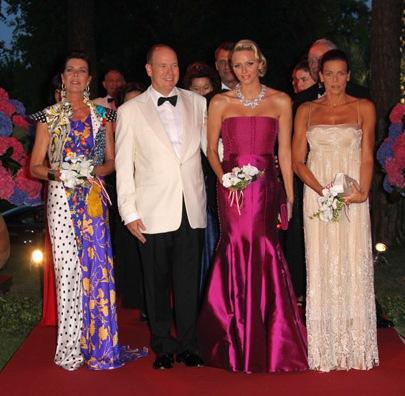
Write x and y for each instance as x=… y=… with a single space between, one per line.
x=249 y=319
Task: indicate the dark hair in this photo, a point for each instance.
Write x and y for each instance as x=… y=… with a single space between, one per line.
x=152 y=49
x=201 y=70
x=78 y=55
x=56 y=84
x=334 y=54
x=128 y=87
x=226 y=46
x=112 y=70
x=302 y=65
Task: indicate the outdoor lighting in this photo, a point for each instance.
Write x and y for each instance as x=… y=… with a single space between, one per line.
x=381 y=247
x=37 y=257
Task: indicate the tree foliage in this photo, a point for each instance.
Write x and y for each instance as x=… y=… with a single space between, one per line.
x=124 y=30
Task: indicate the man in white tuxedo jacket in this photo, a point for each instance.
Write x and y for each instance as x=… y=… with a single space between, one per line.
x=161 y=199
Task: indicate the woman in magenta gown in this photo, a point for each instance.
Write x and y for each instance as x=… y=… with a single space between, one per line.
x=249 y=319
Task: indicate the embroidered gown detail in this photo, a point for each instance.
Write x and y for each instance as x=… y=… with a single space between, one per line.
x=341 y=318
x=249 y=319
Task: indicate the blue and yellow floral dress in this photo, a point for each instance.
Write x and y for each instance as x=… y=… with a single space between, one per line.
x=78 y=222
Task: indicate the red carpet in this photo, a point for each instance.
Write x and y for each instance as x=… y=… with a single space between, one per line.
x=31 y=372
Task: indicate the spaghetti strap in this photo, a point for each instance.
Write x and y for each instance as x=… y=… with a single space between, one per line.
x=309 y=115
x=358 y=112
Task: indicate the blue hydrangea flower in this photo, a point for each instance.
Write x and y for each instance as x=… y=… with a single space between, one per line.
x=6 y=126
x=19 y=107
x=395 y=130
x=18 y=198
x=387 y=186
x=385 y=150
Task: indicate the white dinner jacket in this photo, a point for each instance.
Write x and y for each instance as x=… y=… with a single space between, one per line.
x=151 y=179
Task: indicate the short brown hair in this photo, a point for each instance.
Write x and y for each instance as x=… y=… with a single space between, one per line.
x=226 y=46
x=149 y=54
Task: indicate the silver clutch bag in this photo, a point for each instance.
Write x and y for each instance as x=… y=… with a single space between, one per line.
x=342 y=184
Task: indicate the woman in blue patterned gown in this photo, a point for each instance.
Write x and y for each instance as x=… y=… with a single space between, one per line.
x=71 y=133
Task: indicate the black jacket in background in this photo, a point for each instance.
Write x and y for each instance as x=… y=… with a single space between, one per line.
x=316 y=90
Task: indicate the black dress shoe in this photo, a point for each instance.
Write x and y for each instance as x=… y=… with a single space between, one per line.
x=163 y=362
x=190 y=359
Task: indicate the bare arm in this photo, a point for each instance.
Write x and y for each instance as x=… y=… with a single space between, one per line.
x=284 y=145
x=367 y=113
x=214 y=129
x=300 y=149
x=38 y=166
x=108 y=166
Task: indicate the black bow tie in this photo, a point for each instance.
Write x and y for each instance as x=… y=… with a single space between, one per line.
x=171 y=99
x=109 y=100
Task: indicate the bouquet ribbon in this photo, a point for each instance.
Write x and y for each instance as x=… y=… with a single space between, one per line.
x=236 y=197
x=96 y=181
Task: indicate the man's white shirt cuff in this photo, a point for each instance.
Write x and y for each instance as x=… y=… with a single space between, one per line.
x=132 y=217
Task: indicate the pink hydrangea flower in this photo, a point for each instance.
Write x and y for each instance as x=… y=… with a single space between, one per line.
x=399 y=149
x=397 y=113
x=20 y=121
x=30 y=186
x=7 y=184
x=394 y=172
x=7 y=107
x=3 y=94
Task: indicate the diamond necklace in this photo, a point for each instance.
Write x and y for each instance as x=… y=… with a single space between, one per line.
x=252 y=103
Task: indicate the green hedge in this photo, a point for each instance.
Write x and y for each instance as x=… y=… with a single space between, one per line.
x=18 y=315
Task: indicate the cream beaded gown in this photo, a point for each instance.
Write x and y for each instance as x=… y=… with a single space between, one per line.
x=341 y=320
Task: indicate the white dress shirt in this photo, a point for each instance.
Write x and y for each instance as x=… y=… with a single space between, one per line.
x=171 y=119
x=103 y=101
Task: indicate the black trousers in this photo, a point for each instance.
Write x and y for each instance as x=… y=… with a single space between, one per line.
x=171 y=262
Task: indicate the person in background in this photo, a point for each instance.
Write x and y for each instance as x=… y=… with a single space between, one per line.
x=340 y=309
x=202 y=79
x=128 y=266
x=75 y=131
x=301 y=77
x=113 y=81
x=223 y=65
x=55 y=89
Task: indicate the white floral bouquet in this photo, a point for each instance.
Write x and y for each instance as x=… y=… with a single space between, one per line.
x=237 y=180
x=331 y=203
x=75 y=170
x=240 y=178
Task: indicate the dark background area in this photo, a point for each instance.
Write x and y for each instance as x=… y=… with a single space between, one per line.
x=117 y=35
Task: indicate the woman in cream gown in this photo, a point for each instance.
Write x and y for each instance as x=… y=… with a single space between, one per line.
x=340 y=313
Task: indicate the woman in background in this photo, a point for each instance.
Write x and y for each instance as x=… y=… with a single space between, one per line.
x=202 y=79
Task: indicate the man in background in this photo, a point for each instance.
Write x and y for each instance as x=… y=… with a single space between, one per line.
x=223 y=65
x=113 y=81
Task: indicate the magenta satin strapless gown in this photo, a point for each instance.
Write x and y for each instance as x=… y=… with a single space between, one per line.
x=249 y=319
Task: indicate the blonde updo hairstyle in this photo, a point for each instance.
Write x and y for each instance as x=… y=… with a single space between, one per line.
x=250 y=45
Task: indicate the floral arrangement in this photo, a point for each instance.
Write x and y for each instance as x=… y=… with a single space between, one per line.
x=16 y=186
x=391 y=153
x=237 y=180
x=75 y=170
x=330 y=206
x=331 y=203
x=240 y=178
